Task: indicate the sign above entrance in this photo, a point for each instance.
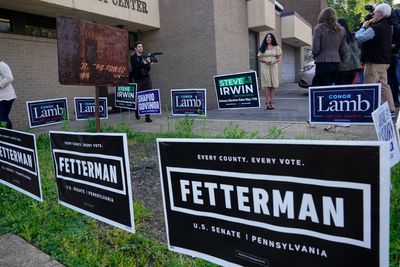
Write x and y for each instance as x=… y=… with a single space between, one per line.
x=140 y=6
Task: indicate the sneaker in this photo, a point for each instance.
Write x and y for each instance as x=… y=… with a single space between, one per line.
x=148 y=119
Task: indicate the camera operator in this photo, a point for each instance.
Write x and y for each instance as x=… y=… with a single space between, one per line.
x=376 y=38
x=140 y=73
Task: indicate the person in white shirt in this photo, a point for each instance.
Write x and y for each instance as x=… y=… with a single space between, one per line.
x=7 y=94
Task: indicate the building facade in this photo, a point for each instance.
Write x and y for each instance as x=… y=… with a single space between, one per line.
x=308 y=9
x=199 y=39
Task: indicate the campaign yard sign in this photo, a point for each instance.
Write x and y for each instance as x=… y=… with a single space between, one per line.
x=19 y=166
x=277 y=203
x=149 y=102
x=385 y=130
x=235 y=91
x=93 y=177
x=85 y=108
x=398 y=127
x=47 y=112
x=191 y=102
x=343 y=104
x=125 y=96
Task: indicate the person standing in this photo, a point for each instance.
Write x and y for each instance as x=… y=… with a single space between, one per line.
x=392 y=70
x=7 y=94
x=375 y=36
x=140 y=73
x=269 y=55
x=350 y=63
x=328 y=46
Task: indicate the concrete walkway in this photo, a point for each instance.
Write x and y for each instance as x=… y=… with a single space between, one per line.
x=16 y=252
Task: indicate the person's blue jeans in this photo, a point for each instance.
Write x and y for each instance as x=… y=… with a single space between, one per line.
x=5 y=108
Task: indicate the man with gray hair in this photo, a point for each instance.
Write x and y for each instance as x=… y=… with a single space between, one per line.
x=376 y=38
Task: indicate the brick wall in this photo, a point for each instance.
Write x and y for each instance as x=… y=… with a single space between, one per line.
x=187 y=38
x=34 y=65
x=199 y=39
x=231 y=36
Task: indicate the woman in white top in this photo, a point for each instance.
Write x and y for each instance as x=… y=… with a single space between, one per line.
x=7 y=94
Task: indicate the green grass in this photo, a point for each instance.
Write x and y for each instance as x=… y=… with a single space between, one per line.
x=77 y=240
x=395 y=218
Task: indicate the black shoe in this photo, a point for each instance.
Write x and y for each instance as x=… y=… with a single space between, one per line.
x=148 y=119
x=137 y=116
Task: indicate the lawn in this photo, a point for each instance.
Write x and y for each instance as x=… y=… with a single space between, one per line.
x=77 y=240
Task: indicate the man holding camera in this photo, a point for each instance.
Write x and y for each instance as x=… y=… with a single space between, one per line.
x=140 y=73
x=376 y=38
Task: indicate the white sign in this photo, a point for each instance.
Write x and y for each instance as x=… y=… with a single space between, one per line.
x=385 y=130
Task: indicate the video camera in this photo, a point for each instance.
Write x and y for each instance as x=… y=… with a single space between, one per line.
x=394 y=18
x=151 y=57
x=370 y=9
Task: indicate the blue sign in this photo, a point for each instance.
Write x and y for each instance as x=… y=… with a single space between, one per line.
x=347 y=104
x=47 y=112
x=125 y=96
x=85 y=108
x=239 y=90
x=190 y=102
x=149 y=102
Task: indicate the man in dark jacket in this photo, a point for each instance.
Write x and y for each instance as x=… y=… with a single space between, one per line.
x=376 y=38
x=140 y=73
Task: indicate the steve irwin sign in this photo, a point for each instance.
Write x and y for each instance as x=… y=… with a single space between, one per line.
x=277 y=203
x=93 y=177
x=238 y=90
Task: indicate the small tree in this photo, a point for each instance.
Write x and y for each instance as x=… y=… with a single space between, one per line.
x=353 y=11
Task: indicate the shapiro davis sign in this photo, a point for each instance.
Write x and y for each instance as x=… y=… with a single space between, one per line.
x=344 y=103
x=47 y=112
x=19 y=167
x=85 y=108
x=277 y=203
x=125 y=96
x=239 y=90
x=93 y=176
x=191 y=102
x=149 y=102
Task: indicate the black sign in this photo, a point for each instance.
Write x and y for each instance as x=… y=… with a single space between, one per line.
x=125 y=96
x=344 y=103
x=19 y=167
x=266 y=203
x=85 y=108
x=93 y=176
x=239 y=90
x=47 y=112
x=190 y=102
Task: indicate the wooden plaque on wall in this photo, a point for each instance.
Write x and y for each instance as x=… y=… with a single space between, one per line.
x=91 y=54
